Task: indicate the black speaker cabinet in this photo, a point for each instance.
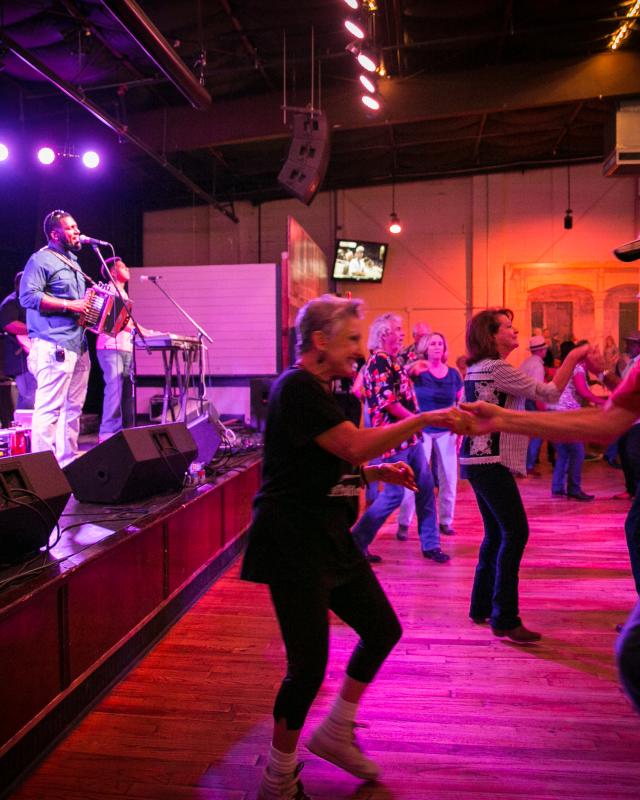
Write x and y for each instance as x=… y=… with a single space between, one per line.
x=308 y=158
x=33 y=494
x=134 y=464
x=259 y=398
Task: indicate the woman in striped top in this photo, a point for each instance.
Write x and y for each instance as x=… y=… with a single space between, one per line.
x=490 y=460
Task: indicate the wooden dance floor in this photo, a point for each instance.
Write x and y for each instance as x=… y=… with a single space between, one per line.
x=455 y=713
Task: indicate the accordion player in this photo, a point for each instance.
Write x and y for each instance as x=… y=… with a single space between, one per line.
x=105 y=311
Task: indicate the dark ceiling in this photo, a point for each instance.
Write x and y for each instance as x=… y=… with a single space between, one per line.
x=195 y=113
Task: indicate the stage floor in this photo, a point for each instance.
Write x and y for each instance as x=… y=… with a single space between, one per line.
x=455 y=714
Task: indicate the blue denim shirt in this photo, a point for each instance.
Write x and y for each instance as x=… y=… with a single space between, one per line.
x=45 y=273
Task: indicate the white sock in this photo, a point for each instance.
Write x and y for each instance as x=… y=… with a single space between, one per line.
x=281 y=763
x=343 y=712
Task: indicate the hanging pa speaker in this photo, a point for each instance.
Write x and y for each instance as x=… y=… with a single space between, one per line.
x=133 y=464
x=308 y=158
x=33 y=494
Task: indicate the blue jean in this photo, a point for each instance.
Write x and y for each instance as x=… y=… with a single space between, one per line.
x=506 y=531
x=628 y=656
x=632 y=532
x=391 y=496
x=27 y=385
x=533 y=451
x=117 y=406
x=567 y=473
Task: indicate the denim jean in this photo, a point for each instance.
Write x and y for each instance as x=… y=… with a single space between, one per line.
x=444 y=444
x=391 y=496
x=629 y=451
x=117 y=406
x=506 y=530
x=567 y=473
x=632 y=532
x=533 y=451
x=628 y=656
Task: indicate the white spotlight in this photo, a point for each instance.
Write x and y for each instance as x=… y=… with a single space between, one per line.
x=90 y=159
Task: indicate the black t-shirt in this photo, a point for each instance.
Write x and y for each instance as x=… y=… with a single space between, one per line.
x=308 y=500
x=14 y=357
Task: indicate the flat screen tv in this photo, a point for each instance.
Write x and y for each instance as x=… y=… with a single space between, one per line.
x=356 y=260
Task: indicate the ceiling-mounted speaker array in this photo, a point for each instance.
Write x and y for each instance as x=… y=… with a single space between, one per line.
x=306 y=164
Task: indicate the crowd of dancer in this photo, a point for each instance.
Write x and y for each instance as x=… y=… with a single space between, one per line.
x=307 y=543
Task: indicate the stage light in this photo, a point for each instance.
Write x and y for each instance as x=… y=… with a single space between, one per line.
x=354 y=4
x=4 y=152
x=368 y=84
x=395 y=225
x=46 y=155
x=355 y=28
x=90 y=159
x=371 y=102
x=368 y=60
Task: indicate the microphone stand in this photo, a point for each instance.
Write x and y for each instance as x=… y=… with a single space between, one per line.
x=201 y=334
x=136 y=332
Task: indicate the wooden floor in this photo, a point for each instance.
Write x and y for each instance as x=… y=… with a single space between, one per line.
x=455 y=714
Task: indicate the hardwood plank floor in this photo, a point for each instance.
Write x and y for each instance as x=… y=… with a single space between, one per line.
x=455 y=713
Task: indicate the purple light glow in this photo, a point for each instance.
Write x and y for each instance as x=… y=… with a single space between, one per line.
x=46 y=155
x=90 y=159
x=4 y=152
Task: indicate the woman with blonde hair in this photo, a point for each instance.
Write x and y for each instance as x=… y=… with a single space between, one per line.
x=437 y=386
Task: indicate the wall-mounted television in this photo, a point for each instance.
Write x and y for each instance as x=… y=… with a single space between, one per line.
x=356 y=260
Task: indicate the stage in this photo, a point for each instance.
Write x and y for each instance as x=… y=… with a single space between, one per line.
x=455 y=714
x=74 y=619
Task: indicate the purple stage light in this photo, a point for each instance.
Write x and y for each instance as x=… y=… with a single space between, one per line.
x=90 y=159
x=4 y=152
x=46 y=155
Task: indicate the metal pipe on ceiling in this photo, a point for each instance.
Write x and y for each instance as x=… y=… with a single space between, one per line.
x=122 y=130
x=141 y=29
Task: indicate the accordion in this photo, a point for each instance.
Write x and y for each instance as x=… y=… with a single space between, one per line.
x=105 y=311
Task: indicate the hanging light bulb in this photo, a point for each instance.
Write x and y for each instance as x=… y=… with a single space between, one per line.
x=395 y=226
x=568 y=219
x=568 y=214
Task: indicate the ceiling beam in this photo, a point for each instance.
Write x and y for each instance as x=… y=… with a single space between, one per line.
x=129 y=15
x=117 y=127
x=490 y=90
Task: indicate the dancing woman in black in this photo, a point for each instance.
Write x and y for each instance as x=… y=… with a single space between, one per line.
x=300 y=542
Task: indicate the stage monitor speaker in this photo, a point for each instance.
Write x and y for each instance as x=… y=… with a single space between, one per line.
x=259 y=400
x=133 y=464
x=308 y=158
x=206 y=436
x=33 y=494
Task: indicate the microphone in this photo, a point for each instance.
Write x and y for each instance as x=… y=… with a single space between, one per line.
x=629 y=251
x=151 y=278
x=90 y=240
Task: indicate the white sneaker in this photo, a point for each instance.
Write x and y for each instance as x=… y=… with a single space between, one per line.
x=288 y=787
x=338 y=744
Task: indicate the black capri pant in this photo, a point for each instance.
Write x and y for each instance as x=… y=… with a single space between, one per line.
x=302 y=610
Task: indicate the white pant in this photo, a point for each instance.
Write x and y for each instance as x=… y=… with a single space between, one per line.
x=445 y=446
x=60 y=394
